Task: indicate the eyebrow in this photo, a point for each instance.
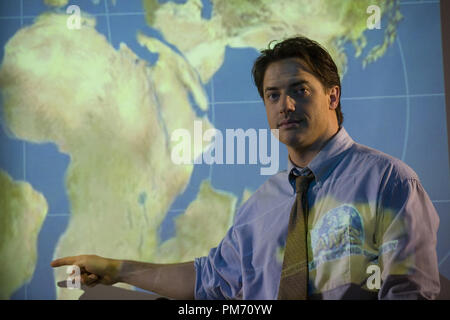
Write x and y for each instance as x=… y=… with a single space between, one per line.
x=293 y=84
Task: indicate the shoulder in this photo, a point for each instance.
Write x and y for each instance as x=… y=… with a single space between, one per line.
x=391 y=168
x=388 y=180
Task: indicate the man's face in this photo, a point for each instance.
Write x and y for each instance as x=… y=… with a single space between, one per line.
x=297 y=104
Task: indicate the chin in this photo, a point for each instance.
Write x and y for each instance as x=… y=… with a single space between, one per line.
x=294 y=141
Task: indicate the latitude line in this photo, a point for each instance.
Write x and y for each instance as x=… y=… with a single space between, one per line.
x=399 y=96
x=135 y=13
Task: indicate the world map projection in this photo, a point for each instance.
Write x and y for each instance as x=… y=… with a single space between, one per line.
x=93 y=92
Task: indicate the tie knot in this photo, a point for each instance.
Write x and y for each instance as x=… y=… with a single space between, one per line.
x=302 y=182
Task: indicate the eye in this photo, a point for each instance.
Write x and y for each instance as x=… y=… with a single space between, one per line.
x=273 y=96
x=301 y=91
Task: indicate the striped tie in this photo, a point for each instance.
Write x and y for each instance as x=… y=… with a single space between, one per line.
x=294 y=274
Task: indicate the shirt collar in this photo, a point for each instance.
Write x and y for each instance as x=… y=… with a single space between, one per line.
x=326 y=160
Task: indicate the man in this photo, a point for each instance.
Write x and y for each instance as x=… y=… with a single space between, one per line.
x=360 y=214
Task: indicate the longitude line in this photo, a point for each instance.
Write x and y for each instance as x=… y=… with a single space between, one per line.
x=24 y=145
x=405 y=75
x=213 y=118
x=108 y=22
x=445 y=258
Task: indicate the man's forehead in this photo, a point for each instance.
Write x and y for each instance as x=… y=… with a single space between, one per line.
x=285 y=71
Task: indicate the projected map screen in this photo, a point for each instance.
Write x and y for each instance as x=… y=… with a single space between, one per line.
x=92 y=91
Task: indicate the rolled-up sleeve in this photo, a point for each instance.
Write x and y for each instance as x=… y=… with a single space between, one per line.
x=218 y=275
x=407 y=252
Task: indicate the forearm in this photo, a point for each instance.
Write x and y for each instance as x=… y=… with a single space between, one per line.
x=170 y=280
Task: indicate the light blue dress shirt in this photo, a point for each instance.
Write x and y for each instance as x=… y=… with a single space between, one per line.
x=371 y=232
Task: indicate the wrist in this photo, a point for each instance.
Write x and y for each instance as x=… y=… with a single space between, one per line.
x=115 y=270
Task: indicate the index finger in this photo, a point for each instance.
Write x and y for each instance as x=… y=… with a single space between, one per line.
x=66 y=261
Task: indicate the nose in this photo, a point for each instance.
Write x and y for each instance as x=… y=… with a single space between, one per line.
x=287 y=105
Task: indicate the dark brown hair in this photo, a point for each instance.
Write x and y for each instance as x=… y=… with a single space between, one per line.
x=312 y=53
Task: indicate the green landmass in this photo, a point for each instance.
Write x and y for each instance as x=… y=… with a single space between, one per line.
x=22 y=212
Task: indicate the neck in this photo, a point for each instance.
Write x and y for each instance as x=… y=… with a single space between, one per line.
x=302 y=156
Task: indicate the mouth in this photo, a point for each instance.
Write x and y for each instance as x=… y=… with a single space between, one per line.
x=289 y=123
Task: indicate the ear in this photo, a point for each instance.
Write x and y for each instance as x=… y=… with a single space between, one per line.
x=334 y=94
